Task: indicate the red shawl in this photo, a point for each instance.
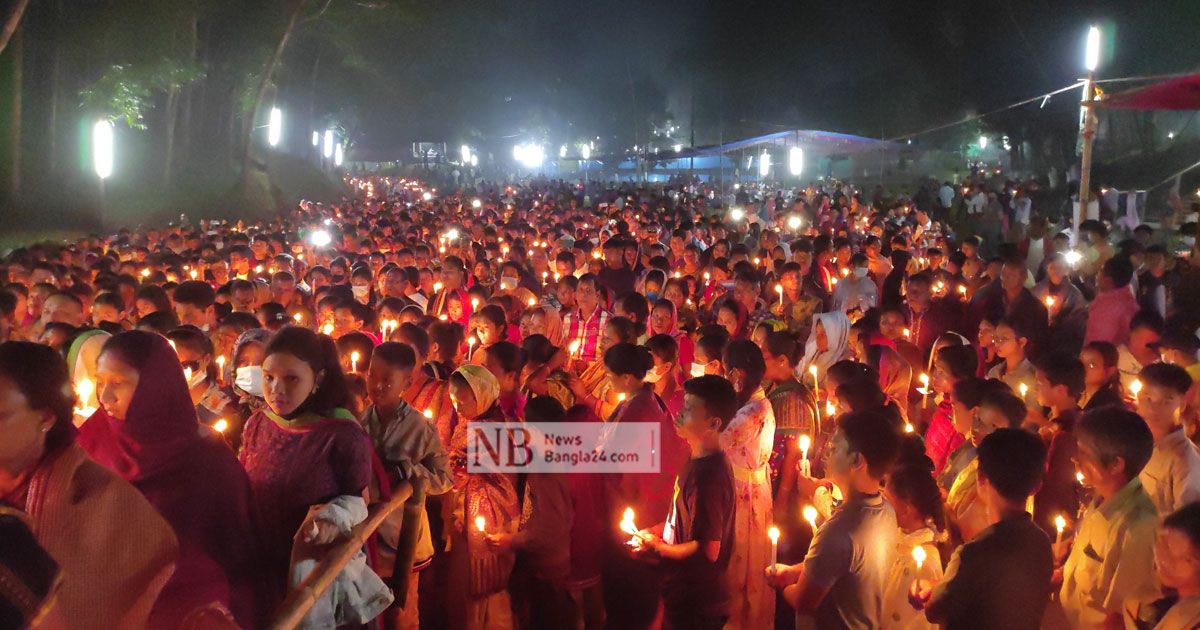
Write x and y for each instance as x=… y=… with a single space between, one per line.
x=190 y=476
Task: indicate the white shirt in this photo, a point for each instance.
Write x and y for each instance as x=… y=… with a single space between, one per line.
x=977 y=204
x=946 y=196
x=1172 y=476
x=1021 y=207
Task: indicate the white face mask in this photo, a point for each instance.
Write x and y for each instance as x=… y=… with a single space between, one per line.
x=697 y=370
x=249 y=378
x=860 y=272
x=653 y=376
x=361 y=293
x=508 y=284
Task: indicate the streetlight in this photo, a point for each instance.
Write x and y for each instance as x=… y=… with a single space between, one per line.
x=466 y=153
x=338 y=155
x=983 y=140
x=796 y=161
x=102 y=149
x=1091 y=59
x=764 y=164
x=562 y=151
x=275 y=127
x=328 y=152
x=316 y=138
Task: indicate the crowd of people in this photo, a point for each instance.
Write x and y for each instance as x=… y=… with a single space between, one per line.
x=871 y=417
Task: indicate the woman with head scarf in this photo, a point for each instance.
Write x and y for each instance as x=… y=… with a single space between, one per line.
x=733 y=317
x=664 y=320
x=298 y=452
x=489 y=499
x=114 y=551
x=147 y=432
x=827 y=345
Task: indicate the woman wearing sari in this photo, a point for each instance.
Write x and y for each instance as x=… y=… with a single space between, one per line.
x=477 y=575
x=147 y=432
x=635 y=587
x=593 y=387
x=664 y=320
x=296 y=453
x=114 y=551
x=747 y=442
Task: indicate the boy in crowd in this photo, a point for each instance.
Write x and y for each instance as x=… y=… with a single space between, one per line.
x=696 y=540
x=1177 y=560
x=840 y=583
x=1058 y=385
x=410 y=449
x=1000 y=578
x=1111 y=558
x=1172 y=476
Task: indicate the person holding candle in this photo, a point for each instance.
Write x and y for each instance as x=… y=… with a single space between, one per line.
x=477 y=575
x=857 y=291
x=828 y=344
x=1172 y=476
x=841 y=581
x=212 y=403
x=1015 y=368
x=1112 y=552
x=1102 y=382
x=1058 y=383
x=915 y=497
x=664 y=320
x=695 y=541
x=114 y=550
x=999 y=579
x=488 y=326
x=585 y=324
x=951 y=364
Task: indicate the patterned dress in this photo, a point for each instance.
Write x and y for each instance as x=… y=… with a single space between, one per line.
x=747 y=442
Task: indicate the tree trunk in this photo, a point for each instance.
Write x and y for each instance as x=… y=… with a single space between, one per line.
x=10 y=25
x=18 y=49
x=264 y=81
x=189 y=92
x=170 y=116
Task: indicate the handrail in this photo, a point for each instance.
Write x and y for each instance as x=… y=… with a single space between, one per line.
x=301 y=599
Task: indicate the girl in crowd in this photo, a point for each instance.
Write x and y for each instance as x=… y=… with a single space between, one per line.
x=488 y=327
x=827 y=344
x=196 y=356
x=915 y=497
x=113 y=549
x=951 y=364
x=301 y=452
x=732 y=316
x=479 y=576
x=147 y=432
x=1102 y=380
x=664 y=377
x=592 y=387
x=747 y=442
x=664 y=320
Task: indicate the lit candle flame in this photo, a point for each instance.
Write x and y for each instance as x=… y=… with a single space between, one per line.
x=1060 y=523
x=354 y=356
x=437 y=286
x=1079 y=478
x=221 y=425
x=627 y=524
x=1024 y=389
x=1135 y=387
x=193 y=274
x=187 y=374
x=805 y=444
x=773 y=534
x=908 y=427
x=480 y=524
x=532 y=302
x=621 y=397
x=907 y=333
x=1049 y=301
x=297 y=317
x=810 y=515
x=428 y=413
x=146 y=273
x=830 y=408
x=327 y=329
x=919 y=555
x=474 y=304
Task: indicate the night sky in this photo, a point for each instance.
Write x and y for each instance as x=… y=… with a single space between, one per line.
x=492 y=72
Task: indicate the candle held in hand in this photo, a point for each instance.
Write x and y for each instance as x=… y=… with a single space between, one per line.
x=810 y=515
x=773 y=534
x=1060 y=524
x=481 y=524
x=919 y=556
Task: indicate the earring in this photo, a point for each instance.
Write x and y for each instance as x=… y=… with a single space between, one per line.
x=46 y=429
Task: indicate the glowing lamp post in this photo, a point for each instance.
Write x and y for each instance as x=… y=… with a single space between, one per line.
x=327 y=149
x=1091 y=60
x=795 y=161
x=102 y=149
x=275 y=127
x=764 y=164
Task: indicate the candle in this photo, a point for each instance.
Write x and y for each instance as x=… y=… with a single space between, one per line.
x=779 y=290
x=773 y=534
x=532 y=302
x=83 y=391
x=574 y=347
x=187 y=374
x=437 y=286
x=354 y=356
x=621 y=397
x=830 y=409
x=627 y=524
x=428 y=413
x=146 y=273
x=757 y=261
x=1060 y=524
x=327 y=329
x=193 y=273
x=919 y=556
x=258 y=268
x=221 y=425
x=908 y=427
x=480 y=524
x=962 y=291
x=812 y=369
x=470 y=347
x=907 y=333
x=1024 y=390
x=1079 y=478
x=924 y=378
x=810 y=515
x=805 y=465
x=221 y=366
x=1135 y=387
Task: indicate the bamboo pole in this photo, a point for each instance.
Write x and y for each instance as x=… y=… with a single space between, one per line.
x=300 y=600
